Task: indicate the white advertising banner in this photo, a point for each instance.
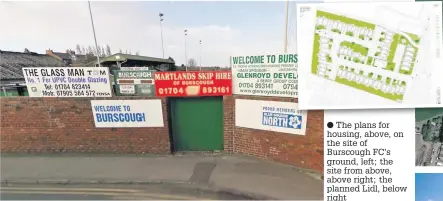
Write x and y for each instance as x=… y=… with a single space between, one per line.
x=134 y=68
x=127 y=113
x=274 y=116
x=67 y=81
x=265 y=75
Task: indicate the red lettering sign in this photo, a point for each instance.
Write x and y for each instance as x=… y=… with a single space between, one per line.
x=193 y=83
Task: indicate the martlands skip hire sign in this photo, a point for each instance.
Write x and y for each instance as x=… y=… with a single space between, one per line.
x=67 y=82
x=197 y=83
x=265 y=75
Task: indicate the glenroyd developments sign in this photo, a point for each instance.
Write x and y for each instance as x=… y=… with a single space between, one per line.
x=127 y=113
x=67 y=82
x=134 y=82
x=271 y=116
x=197 y=83
x=265 y=75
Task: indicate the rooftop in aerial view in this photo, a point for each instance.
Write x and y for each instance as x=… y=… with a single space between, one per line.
x=429 y=137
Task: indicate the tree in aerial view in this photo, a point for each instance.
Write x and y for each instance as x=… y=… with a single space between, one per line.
x=440 y=134
x=425 y=129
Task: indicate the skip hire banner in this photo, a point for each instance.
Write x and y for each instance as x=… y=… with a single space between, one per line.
x=67 y=81
x=274 y=116
x=193 y=83
x=127 y=113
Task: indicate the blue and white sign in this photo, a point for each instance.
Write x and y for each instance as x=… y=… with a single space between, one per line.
x=282 y=120
x=270 y=115
x=127 y=113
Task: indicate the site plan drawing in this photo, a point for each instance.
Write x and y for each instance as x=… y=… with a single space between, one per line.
x=383 y=53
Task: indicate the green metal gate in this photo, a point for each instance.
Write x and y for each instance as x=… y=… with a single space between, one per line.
x=197 y=123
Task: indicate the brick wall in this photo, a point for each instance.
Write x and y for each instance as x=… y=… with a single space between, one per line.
x=304 y=151
x=229 y=123
x=48 y=125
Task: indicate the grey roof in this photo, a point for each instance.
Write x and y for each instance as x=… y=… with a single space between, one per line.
x=123 y=57
x=205 y=68
x=11 y=63
x=64 y=56
x=77 y=60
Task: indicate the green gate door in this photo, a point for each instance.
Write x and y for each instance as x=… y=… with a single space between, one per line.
x=197 y=123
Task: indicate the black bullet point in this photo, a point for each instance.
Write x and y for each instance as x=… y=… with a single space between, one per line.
x=330 y=125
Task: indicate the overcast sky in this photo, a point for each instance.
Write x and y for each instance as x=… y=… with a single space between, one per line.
x=225 y=27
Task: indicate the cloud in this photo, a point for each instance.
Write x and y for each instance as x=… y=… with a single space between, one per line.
x=123 y=25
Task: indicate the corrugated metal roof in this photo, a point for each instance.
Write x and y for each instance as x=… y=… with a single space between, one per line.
x=11 y=63
x=124 y=57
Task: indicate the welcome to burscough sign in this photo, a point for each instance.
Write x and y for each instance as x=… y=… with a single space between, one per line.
x=127 y=113
x=265 y=75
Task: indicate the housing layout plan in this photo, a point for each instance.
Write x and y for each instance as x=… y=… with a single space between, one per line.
x=363 y=55
x=361 y=50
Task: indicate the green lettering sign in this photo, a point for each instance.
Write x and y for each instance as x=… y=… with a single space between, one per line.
x=285 y=75
x=134 y=82
x=287 y=58
x=265 y=75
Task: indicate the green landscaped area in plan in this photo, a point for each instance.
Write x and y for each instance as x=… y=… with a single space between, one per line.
x=414 y=38
x=336 y=31
x=363 y=87
x=320 y=27
x=399 y=39
x=314 y=64
x=344 y=19
x=355 y=47
x=406 y=42
x=369 y=61
x=395 y=40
